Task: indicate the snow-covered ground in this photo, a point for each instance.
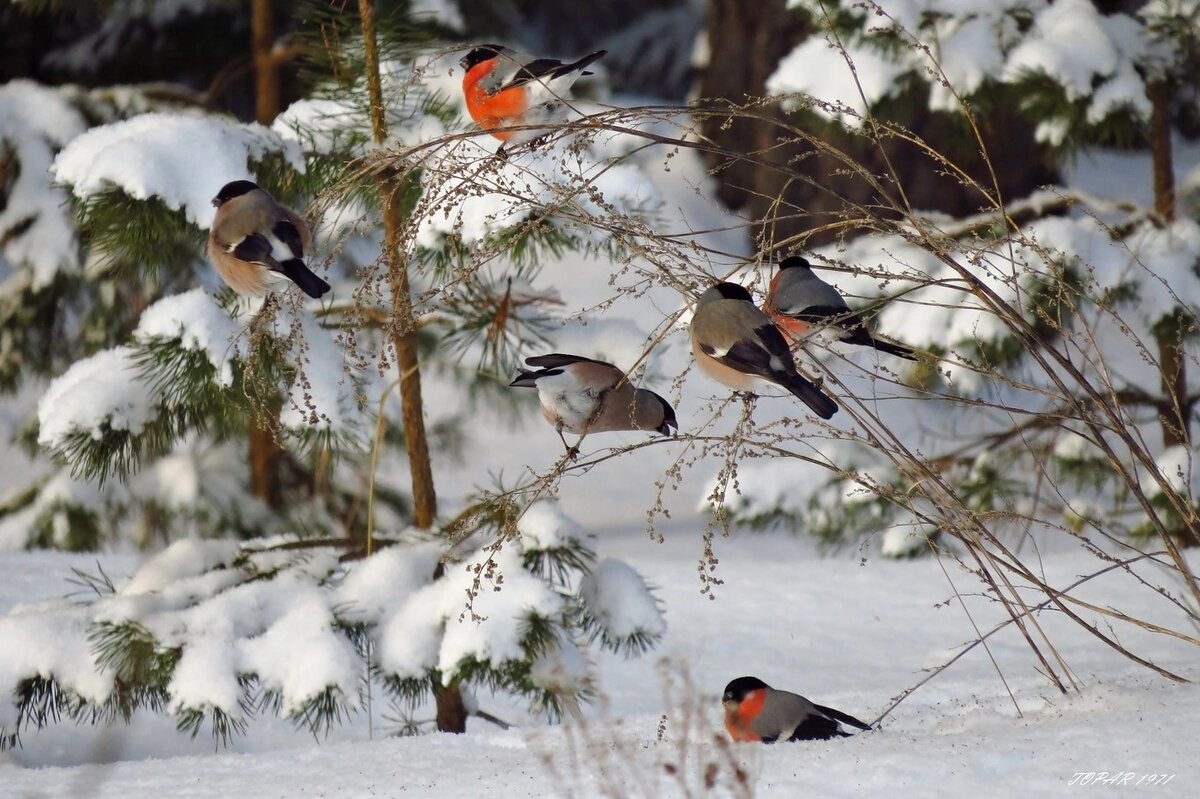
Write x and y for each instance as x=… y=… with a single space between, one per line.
x=848 y=631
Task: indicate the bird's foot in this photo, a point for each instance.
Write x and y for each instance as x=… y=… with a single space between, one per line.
x=572 y=454
x=502 y=154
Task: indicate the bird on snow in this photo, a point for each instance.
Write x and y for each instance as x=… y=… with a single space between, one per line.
x=734 y=343
x=256 y=243
x=505 y=89
x=800 y=302
x=581 y=395
x=754 y=711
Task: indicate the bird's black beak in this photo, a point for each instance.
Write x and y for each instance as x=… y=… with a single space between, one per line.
x=462 y=62
x=216 y=202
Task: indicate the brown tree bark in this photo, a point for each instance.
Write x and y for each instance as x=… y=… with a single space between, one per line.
x=1159 y=93
x=265 y=455
x=451 y=713
x=1172 y=364
x=266 y=67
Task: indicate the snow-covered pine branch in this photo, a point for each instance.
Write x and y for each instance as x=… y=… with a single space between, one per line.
x=217 y=632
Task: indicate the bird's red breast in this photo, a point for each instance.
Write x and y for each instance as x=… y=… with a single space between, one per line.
x=492 y=112
x=793 y=329
x=739 y=720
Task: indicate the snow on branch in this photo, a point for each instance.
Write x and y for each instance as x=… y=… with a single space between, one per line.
x=182 y=159
x=218 y=631
x=36 y=228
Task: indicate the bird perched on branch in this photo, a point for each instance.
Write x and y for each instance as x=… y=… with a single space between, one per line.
x=734 y=343
x=800 y=303
x=255 y=242
x=505 y=89
x=754 y=711
x=581 y=395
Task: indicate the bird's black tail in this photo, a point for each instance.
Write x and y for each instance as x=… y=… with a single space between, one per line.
x=302 y=276
x=858 y=334
x=811 y=396
x=844 y=718
x=891 y=348
x=582 y=63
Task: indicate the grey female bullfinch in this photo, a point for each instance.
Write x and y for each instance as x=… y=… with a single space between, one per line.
x=734 y=343
x=754 y=711
x=581 y=395
x=255 y=242
x=799 y=301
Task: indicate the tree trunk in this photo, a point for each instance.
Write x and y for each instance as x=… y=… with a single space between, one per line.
x=265 y=455
x=266 y=69
x=1159 y=94
x=451 y=713
x=404 y=337
x=1171 y=362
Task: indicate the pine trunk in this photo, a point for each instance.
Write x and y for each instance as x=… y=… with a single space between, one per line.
x=404 y=337
x=451 y=712
x=266 y=68
x=1173 y=366
x=265 y=454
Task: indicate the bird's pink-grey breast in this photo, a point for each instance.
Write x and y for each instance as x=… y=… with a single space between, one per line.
x=734 y=342
x=253 y=237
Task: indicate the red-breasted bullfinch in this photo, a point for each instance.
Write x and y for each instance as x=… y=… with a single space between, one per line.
x=582 y=395
x=505 y=89
x=734 y=343
x=255 y=242
x=754 y=711
x=802 y=303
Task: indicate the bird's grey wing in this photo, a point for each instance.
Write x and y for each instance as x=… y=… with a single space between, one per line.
x=782 y=713
x=753 y=343
x=808 y=298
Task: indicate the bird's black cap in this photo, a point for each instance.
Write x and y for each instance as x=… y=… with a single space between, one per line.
x=233 y=189
x=733 y=291
x=794 y=261
x=480 y=54
x=737 y=689
x=669 y=422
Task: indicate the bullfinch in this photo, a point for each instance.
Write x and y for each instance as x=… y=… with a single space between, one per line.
x=255 y=242
x=734 y=343
x=754 y=711
x=581 y=395
x=800 y=302
x=505 y=89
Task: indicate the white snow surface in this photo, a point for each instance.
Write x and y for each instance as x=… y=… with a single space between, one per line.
x=98 y=390
x=36 y=121
x=845 y=632
x=156 y=155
